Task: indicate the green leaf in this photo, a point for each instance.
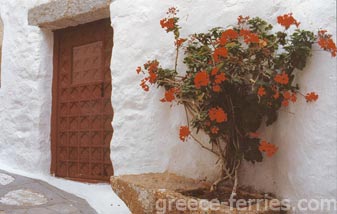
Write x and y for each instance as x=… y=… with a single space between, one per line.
x=250 y=147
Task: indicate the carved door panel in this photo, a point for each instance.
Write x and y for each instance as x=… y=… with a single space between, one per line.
x=82 y=110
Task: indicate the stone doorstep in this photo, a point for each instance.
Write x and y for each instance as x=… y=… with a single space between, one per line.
x=141 y=192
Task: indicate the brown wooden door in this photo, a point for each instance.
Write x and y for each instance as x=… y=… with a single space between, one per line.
x=82 y=110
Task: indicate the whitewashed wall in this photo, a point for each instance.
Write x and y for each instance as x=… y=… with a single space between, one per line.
x=25 y=95
x=146 y=130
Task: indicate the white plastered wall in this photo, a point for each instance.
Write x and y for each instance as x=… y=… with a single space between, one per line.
x=25 y=95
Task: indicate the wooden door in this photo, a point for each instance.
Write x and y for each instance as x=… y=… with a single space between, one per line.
x=82 y=110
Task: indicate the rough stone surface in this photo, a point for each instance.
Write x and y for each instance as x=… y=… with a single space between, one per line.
x=25 y=195
x=160 y=193
x=64 y=13
x=139 y=191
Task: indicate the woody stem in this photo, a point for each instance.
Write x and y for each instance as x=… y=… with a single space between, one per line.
x=177 y=55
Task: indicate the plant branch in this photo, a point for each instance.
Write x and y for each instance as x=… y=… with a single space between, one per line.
x=203 y=146
x=177 y=56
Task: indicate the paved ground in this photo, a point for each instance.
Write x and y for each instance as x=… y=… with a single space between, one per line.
x=22 y=195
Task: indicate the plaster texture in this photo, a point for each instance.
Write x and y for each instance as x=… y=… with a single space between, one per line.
x=146 y=130
x=25 y=94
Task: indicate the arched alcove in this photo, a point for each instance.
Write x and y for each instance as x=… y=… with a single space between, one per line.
x=1 y=38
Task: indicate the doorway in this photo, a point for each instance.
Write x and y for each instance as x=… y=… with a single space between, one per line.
x=81 y=110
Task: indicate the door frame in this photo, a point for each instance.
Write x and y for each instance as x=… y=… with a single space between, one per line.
x=54 y=115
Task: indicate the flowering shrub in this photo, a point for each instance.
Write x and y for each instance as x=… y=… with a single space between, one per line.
x=236 y=79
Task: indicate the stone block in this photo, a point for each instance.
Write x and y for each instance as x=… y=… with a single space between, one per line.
x=65 y=13
x=162 y=193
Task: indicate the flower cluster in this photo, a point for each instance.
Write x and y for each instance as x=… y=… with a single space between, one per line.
x=217 y=114
x=201 y=79
x=243 y=20
x=288 y=96
x=311 y=97
x=282 y=78
x=151 y=67
x=268 y=148
x=184 y=132
x=168 y=24
x=169 y=95
x=287 y=20
x=326 y=42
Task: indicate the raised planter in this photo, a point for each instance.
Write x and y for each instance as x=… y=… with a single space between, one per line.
x=168 y=193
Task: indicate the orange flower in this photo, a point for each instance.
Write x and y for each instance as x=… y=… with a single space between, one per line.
x=222 y=40
x=244 y=32
x=169 y=95
x=286 y=95
x=201 y=79
x=261 y=92
x=326 y=43
x=214 y=71
x=214 y=130
x=253 y=135
x=216 y=88
x=152 y=66
x=138 y=70
x=219 y=52
x=287 y=20
x=220 y=78
x=242 y=20
x=144 y=85
x=285 y=103
x=172 y=10
x=152 y=77
x=322 y=33
x=169 y=24
x=311 y=97
x=179 y=42
x=252 y=38
x=228 y=34
x=184 y=132
x=293 y=97
x=282 y=78
x=268 y=148
x=217 y=114
x=276 y=95
x=249 y=37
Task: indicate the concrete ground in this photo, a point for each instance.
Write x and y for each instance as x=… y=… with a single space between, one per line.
x=22 y=195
